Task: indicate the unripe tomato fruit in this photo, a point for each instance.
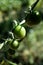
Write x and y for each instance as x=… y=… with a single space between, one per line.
x=14 y=45
x=19 y=31
x=33 y=18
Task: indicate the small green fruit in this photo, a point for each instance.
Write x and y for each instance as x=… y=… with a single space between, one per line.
x=14 y=45
x=19 y=31
x=33 y=18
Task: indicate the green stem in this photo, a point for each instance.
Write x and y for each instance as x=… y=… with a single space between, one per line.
x=10 y=62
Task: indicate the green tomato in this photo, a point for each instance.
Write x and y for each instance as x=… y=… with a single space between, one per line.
x=33 y=18
x=19 y=31
x=14 y=45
